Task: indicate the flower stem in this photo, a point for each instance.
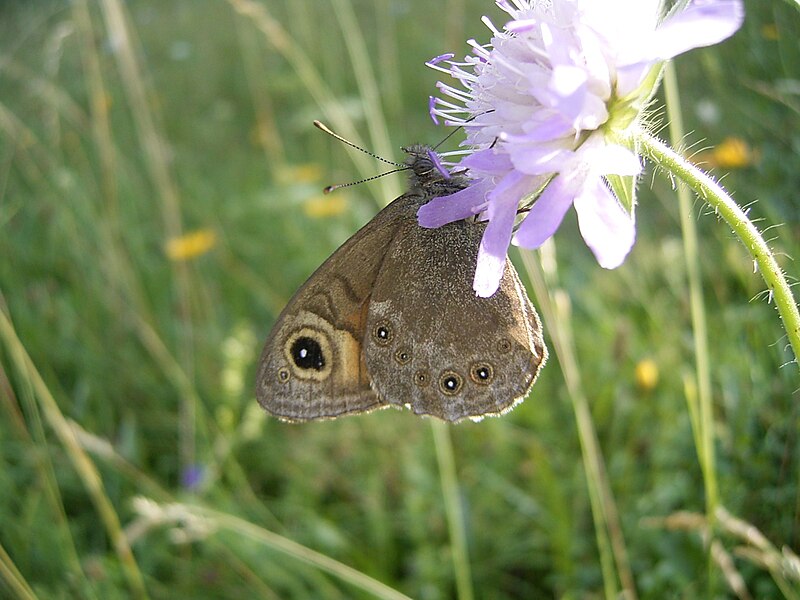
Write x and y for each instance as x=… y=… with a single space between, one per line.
x=713 y=193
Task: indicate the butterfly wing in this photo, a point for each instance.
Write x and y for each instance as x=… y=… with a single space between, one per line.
x=312 y=365
x=433 y=345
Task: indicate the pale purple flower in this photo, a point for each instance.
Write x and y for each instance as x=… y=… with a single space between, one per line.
x=543 y=105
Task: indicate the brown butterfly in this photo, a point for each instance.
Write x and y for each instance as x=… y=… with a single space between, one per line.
x=391 y=319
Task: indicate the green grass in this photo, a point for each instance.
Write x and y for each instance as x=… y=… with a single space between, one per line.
x=124 y=125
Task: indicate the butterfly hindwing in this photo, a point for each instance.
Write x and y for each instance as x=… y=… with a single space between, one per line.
x=432 y=344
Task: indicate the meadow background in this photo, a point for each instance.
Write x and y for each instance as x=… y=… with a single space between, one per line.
x=160 y=201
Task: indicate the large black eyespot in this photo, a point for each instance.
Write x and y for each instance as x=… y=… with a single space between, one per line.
x=382 y=333
x=450 y=383
x=481 y=373
x=307 y=354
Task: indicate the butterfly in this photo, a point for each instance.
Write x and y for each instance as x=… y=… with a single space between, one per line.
x=391 y=319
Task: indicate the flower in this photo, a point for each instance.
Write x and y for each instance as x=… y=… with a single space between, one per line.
x=731 y=153
x=193 y=476
x=191 y=245
x=646 y=374
x=324 y=206
x=545 y=106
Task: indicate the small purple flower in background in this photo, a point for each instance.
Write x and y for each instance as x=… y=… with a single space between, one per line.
x=543 y=104
x=193 y=476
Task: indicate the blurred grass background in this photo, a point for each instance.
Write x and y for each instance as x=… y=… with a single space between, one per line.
x=160 y=201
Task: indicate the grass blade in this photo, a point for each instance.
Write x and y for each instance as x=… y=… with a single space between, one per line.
x=556 y=314
x=13 y=578
x=453 y=508
x=700 y=403
x=206 y=520
x=83 y=465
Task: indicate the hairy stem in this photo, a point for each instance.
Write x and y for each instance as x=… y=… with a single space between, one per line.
x=713 y=193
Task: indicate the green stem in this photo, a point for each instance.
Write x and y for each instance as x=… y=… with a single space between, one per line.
x=453 y=509
x=14 y=580
x=557 y=315
x=710 y=191
x=289 y=547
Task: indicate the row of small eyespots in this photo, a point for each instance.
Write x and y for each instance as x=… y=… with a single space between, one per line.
x=383 y=334
x=450 y=382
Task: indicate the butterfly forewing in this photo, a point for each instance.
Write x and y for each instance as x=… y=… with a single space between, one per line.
x=312 y=365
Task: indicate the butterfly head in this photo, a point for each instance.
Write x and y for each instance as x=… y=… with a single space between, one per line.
x=429 y=175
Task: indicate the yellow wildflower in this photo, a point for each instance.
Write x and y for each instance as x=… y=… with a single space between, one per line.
x=731 y=153
x=329 y=205
x=646 y=374
x=191 y=245
x=294 y=174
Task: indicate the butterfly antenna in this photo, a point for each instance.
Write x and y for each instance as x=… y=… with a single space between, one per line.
x=448 y=136
x=330 y=188
x=323 y=127
x=460 y=127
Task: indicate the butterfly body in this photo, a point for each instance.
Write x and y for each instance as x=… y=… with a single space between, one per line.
x=391 y=319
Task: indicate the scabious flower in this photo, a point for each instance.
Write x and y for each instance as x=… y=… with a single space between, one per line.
x=544 y=106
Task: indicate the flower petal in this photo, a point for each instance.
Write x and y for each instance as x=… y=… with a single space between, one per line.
x=546 y=214
x=502 y=213
x=437 y=163
x=538 y=159
x=552 y=127
x=441 y=58
x=487 y=161
x=432 y=109
x=573 y=99
x=701 y=23
x=462 y=204
x=610 y=159
x=605 y=226
x=631 y=76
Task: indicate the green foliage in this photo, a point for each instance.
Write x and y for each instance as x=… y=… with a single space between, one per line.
x=151 y=360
